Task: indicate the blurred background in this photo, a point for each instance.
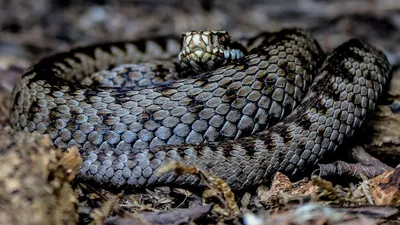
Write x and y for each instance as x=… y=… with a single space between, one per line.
x=30 y=30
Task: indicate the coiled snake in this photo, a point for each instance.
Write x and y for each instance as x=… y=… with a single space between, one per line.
x=279 y=108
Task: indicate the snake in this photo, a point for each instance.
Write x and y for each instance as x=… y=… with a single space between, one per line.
x=245 y=111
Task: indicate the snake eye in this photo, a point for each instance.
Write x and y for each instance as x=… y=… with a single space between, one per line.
x=224 y=38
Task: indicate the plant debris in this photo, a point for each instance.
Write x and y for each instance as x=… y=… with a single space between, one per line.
x=218 y=187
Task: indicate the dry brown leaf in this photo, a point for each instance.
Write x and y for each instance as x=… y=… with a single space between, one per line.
x=280 y=183
x=215 y=183
x=69 y=164
x=245 y=201
x=307 y=189
x=275 y=195
x=99 y=215
x=385 y=188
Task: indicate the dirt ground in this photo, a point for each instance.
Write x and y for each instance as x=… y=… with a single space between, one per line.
x=30 y=30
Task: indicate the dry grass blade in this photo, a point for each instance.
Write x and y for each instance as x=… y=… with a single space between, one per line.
x=215 y=183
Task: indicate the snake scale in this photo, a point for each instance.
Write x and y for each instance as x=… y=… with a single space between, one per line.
x=281 y=107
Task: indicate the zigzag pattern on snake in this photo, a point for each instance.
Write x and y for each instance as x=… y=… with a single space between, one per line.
x=280 y=108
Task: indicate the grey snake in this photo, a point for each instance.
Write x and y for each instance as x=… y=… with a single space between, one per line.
x=280 y=107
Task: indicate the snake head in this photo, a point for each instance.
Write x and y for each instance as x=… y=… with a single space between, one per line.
x=208 y=49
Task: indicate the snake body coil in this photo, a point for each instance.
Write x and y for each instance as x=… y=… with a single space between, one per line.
x=126 y=133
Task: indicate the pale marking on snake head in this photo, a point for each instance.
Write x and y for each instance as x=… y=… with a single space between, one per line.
x=205 y=39
x=198 y=53
x=196 y=39
x=215 y=50
x=188 y=39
